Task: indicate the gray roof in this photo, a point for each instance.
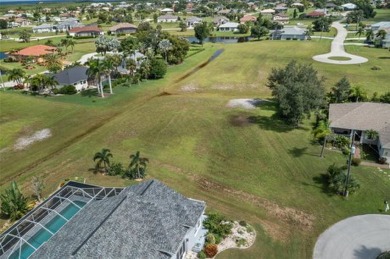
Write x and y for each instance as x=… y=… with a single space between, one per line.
x=292 y=31
x=362 y=116
x=43 y=26
x=148 y=220
x=71 y=75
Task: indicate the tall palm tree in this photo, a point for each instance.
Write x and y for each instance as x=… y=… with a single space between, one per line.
x=360 y=32
x=95 y=71
x=13 y=202
x=71 y=44
x=165 y=45
x=103 y=159
x=138 y=165
x=131 y=65
x=369 y=35
x=109 y=64
x=381 y=34
x=53 y=62
x=41 y=81
x=16 y=74
x=64 y=43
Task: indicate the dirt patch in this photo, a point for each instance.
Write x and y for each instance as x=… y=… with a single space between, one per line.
x=290 y=216
x=24 y=142
x=239 y=121
x=240 y=238
x=275 y=231
x=189 y=88
x=244 y=103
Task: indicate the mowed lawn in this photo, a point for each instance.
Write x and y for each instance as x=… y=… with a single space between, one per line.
x=261 y=171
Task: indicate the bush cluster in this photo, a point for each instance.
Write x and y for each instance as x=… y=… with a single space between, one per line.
x=337 y=179
x=217 y=225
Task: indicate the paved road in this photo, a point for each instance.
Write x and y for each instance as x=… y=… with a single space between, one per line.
x=359 y=237
x=337 y=49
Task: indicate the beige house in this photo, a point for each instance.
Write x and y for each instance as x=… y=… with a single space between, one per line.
x=361 y=117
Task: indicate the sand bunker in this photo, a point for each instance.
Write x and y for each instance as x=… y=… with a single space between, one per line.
x=22 y=143
x=244 y=103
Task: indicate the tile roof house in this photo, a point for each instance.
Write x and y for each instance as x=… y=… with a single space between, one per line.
x=248 y=18
x=345 y=117
x=34 y=51
x=76 y=76
x=87 y=31
x=147 y=220
x=123 y=28
x=281 y=18
x=315 y=14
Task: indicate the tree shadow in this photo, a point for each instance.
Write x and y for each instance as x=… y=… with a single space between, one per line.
x=298 y=152
x=367 y=252
x=322 y=179
x=89 y=92
x=273 y=123
x=383 y=57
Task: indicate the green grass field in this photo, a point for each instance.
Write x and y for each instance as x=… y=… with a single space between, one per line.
x=266 y=172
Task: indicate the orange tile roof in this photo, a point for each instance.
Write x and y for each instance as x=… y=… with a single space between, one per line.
x=38 y=50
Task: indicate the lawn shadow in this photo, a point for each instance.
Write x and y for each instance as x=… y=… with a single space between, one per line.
x=367 y=252
x=322 y=179
x=89 y=92
x=273 y=123
x=383 y=57
x=297 y=152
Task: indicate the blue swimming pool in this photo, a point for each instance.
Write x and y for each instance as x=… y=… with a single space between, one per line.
x=43 y=235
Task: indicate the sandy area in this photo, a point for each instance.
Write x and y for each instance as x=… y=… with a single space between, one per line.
x=238 y=233
x=244 y=103
x=23 y=142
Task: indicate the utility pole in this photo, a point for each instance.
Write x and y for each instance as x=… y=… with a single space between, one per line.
x=351 y=153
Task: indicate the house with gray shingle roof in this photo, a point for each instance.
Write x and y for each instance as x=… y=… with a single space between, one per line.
x=147 y=220
x=361 y=117
x=76 y=76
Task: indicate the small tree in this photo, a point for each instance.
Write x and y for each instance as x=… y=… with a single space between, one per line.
x=138 y=165
x=13 y=203
x=102 y=160
x=259 y=31
x=183 y=26
x=25 y=36
x=37 y=187
x=341 y=91
x=202 y=31
x=243 y=28
x=158 y=69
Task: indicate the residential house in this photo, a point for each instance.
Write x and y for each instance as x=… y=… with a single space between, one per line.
x=267 y=12
x=167 y=18
x=22 y=22
x=315 y=14
x=248 y=18
x=281 y=9
x=224 y=12
x=218 y=20
x=36 y=52
x=281 y=18
x=166 y=10
x=87 y=31
x=361 y=117
x=43 y=28
x=297 y=4
x=146 y=220
x=229 y=26
x=68 y=24
x=380 y=25
x=330 y=5
x=123 y=28
x=76 y=76
x=289 y=33
x=192 y=21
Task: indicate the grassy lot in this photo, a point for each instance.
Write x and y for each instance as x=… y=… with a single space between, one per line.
x=264 y=172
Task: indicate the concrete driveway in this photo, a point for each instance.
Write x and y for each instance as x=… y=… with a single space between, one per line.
x=359 y=237
x=337 y=49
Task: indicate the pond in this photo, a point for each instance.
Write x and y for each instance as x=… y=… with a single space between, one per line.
x=3 y=55
x=228 y=40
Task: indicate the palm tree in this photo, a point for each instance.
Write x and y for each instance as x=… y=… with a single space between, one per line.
x=165 y=45
x=95 y=71
x=359 y=32
x=138 y=165
x=369 y=35
x=103 y=159
x=71 y=43
x=53 y=63
x=109 y=63
x=381 y=34
x=321 y=132
x=41 y=81
x=131 y=65
x=358 y=94
x=64 y=43
x=16 y=74
x=13 y=203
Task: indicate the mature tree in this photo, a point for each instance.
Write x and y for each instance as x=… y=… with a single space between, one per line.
x=129 y=45
x=355 y=16
x=138 y=165
x=53 y=62
x=102 y=160
x=341 y=91
x=3 y=24
x=107 y=68
x=37 y=187
x=295 y=14
x=165 y=45
x=298 y=90
x=180 y=47
x=95 y=71
x=104 y=44
x=202 y=31
x=366 y=8
x=17 y=75
x=24 y=36
x=357 y=94
x=243 y=28
x=183 y=26
x=322 y=24
x=13 y=203
x=158 y=69
x=259 y=31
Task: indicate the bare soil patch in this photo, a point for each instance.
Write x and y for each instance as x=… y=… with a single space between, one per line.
x=244 y=103
x=239 y=121
x=24 y=142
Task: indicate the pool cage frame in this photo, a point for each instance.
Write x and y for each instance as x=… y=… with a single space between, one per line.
x=13 y=238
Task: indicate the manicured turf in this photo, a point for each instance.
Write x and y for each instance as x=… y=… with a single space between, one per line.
x=264 y=172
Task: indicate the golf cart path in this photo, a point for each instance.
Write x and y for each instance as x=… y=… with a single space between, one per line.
x=337 y=49
x=359 y=237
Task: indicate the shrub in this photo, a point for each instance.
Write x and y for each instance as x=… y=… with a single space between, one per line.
x=67 y=89
x=249 y=229
x=116 y=169
x=241 y=242
x=210 y=239
x=337 y=178
x=384 y=255
x=158 y=69
x=218 y=239
x=201 y=255
x=382 y=160
x=211 y=250
x=356 y=161
x=242 y=223
x=19 y=87
x=376 y=68
x=217 y=225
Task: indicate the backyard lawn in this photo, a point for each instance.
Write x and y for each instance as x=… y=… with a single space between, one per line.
x=259 y=170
